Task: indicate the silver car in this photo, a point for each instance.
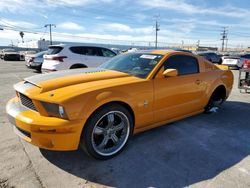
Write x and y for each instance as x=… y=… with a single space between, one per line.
x=36 y=61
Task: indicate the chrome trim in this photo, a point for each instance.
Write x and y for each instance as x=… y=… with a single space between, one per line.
x=20 y=134
x=14 y=108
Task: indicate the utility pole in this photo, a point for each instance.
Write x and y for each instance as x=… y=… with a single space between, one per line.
x=226 y=44
x=157 y=28
x=198 y=43
x=50 y=33
x=224 y=37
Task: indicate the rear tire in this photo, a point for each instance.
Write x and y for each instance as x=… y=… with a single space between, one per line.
x=215 y=101
x=5 y=58
x=107 y=131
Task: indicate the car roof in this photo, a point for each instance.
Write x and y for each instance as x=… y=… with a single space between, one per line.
x=75 y=45
x=206 y=52
x=161 y=51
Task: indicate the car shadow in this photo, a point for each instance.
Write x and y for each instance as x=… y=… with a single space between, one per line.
x=177 y=155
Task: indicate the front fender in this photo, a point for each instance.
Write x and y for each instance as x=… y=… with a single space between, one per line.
x=82 y=106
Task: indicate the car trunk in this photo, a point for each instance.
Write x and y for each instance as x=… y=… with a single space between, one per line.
x=231 y=60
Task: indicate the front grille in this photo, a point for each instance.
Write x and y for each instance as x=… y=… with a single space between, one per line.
x=27 y=102
x=13 y=56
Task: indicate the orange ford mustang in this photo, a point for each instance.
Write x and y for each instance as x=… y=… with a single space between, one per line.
x=98 y=109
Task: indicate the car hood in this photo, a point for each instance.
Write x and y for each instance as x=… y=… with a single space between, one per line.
x=10 y=53
x=59 y=79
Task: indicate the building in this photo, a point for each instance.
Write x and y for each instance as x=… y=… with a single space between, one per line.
x=34 y=44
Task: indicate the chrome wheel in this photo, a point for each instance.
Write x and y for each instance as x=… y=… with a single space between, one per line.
x=110 y=133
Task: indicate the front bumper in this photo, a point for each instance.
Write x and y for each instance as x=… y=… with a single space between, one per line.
x=12 y=57
x=45 y=132
x=232 y=65
x=48 y=70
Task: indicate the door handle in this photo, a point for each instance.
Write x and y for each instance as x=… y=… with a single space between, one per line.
x=198 y=82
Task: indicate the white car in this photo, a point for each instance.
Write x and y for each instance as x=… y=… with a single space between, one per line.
x=235 y=61
x=65 y=56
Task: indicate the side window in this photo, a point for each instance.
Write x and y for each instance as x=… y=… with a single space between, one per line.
x=210 y=55
x=107 y=53
x=246 y=56
x=214 y=56
x=93 y=51
x=76 y=50
x=183 y=63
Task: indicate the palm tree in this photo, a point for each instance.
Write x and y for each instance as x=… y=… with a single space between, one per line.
x=21 y=34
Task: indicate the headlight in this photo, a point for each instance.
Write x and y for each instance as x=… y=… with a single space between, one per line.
x=55 y=110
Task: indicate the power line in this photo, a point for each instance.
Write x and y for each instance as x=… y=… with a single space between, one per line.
x=15 y=26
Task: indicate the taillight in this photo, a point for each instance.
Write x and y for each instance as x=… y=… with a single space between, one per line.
x=31 y=59
x=246 y=64
x=59 y=58
x=56 y=58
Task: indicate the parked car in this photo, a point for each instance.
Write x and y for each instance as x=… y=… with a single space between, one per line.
x=36 y=61
x=183 y=50
x=116 y=50
x=62 y=57
x=10 y=54
x=98 y=109
x=26 y=54
x=130 y=50
x=211 y=56
x=29 y=54
x=236 y=61
x=3 y=51
x=246 y=64
x=223 y=55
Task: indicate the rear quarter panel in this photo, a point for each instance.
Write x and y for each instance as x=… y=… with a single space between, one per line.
x=214 y=76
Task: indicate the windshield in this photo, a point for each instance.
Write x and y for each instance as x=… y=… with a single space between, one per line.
x=9 y=50
x=136 y=64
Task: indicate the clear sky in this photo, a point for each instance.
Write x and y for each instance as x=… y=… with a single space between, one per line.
x=127 y=21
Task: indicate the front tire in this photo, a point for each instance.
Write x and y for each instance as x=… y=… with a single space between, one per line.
x=107 y=131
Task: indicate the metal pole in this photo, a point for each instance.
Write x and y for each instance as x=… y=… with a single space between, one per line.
x=156 y=25
x=50 y=34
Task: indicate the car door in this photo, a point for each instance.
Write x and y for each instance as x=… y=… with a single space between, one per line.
x=75 y=57
x=179 y=95
x=92 y=56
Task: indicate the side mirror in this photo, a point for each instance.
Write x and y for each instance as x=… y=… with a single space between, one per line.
x=170 y=73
